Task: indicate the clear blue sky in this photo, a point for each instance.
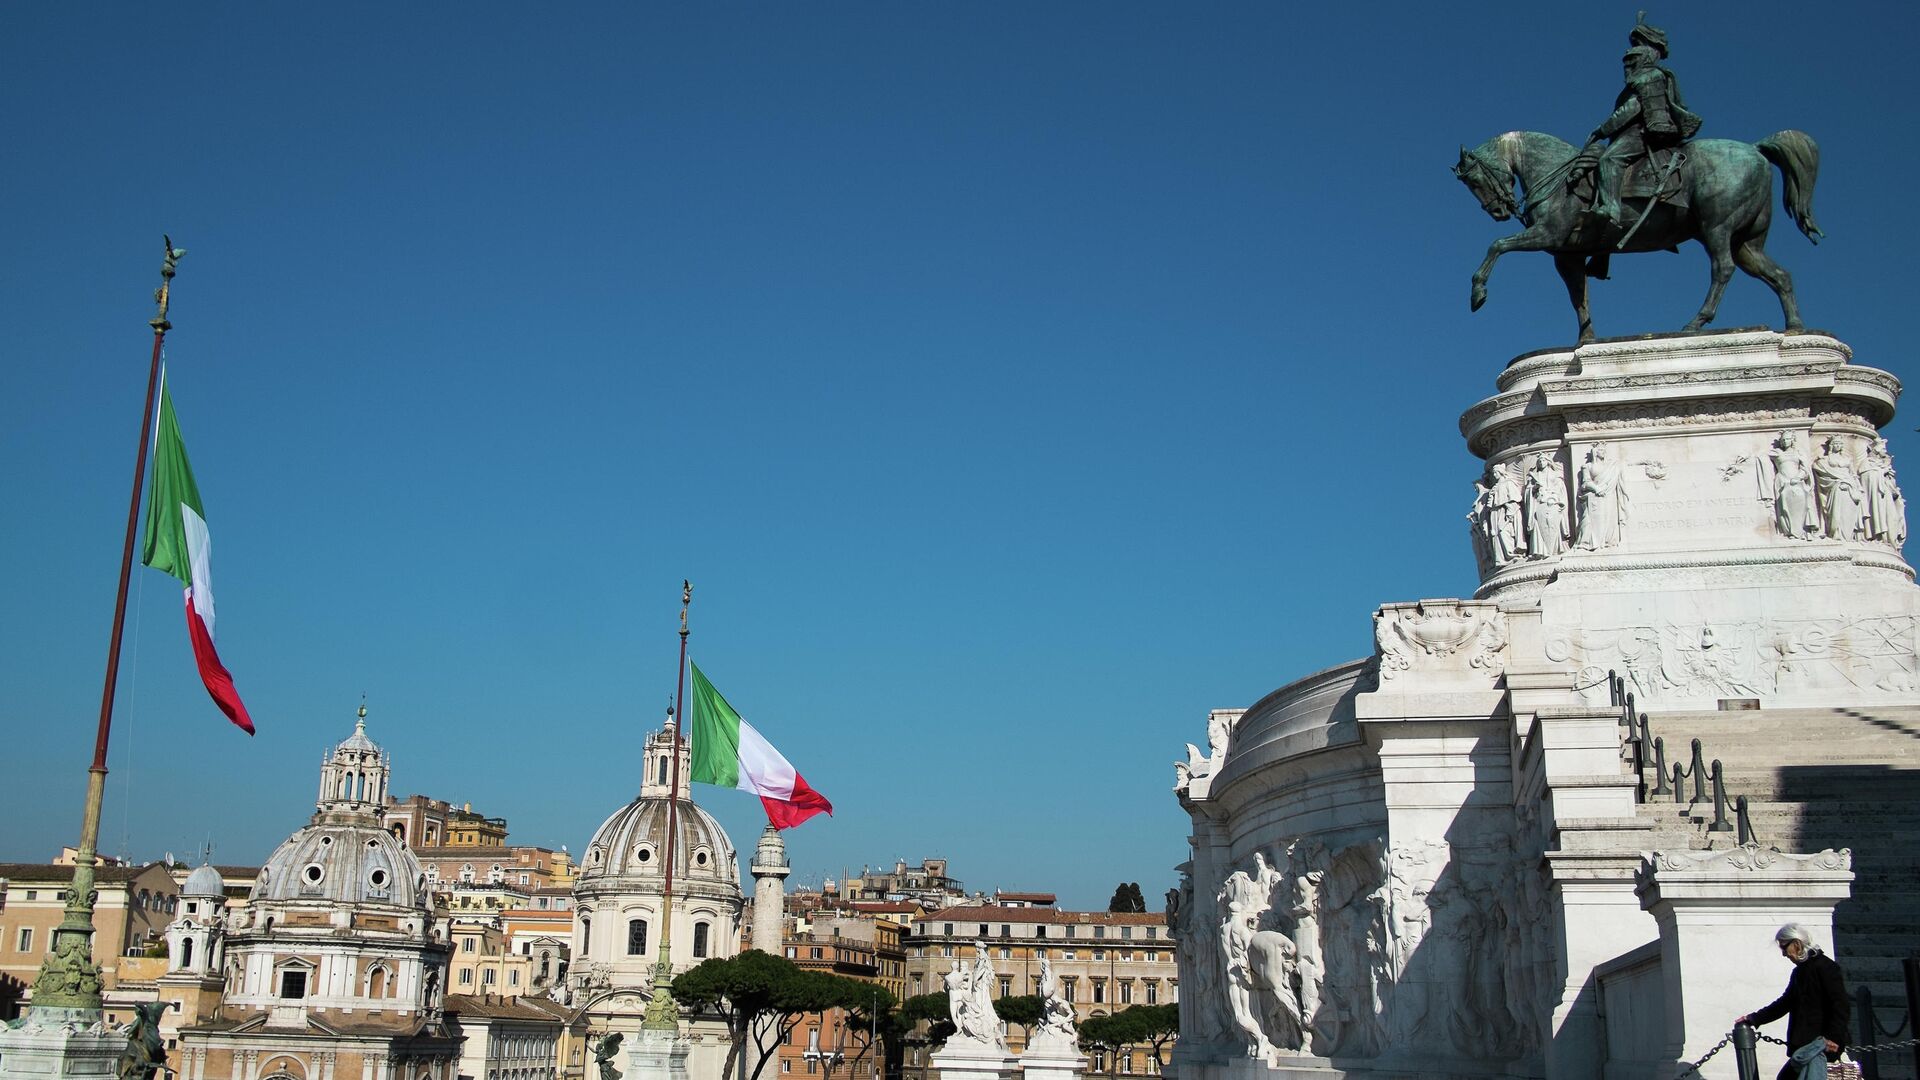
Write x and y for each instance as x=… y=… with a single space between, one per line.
x=1015 y=382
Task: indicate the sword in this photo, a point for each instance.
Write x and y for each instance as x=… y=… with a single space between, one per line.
x=1673 y=163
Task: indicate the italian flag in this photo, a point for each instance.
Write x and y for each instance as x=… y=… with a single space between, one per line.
x=729 y=753
x=177 y=542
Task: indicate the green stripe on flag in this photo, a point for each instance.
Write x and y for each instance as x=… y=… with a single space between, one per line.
x=715 y=735
x=171 y=488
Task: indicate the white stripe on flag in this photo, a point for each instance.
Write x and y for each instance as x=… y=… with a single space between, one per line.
x=762 y=770
x=200 y=557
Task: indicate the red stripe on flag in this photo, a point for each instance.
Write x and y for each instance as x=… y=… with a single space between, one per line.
x=806 y=802
x=214 y=673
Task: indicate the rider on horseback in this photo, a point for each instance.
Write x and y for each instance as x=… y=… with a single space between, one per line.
x=1649 y=121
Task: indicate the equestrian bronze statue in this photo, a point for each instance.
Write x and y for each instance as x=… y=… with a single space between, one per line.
x=1651 y=188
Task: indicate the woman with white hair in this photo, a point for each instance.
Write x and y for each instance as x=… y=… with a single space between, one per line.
x=1815 y=1005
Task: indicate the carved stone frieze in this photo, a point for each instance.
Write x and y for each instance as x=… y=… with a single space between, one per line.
x=1746 y=658
x=1692 y=412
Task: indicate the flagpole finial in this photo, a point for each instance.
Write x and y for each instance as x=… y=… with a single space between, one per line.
x=169 y=264
x=686 y=599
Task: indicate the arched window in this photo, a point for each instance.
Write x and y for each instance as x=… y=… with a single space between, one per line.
x=699 y=940
x=586 y=935
x=663 y=771
x=466 y=873
x=143 y=899
x=636 y=937
x=377 y=983
x=186 y=952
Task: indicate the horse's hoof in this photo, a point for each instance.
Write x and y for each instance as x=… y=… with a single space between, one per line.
x=1586 y=337
x=1479 y=299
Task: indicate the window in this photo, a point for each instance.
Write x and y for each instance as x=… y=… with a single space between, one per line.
x=1099 y=954
x=586 y=934
x=1099 y=1061
x=1099 y=931
x=1126 y=992
x=1039 y=931
x=1126 y=1064
x=1153 y=933
x=1070 y=954
x=1005 y=930
x=1126 y=934
x=293 y=985
x=637 y=937
x=1069 y=931
x=949 y=929
x=792 y=952
x=466 y=976
x=1153 y=991
x=817 y=953
x=1066 y=987
x=513 y=977
x=983 y=930
x=1039 y=954
x=1006 y=953
x=377 y=983
x=946 y=950
x=699 y=940
x=466 y=944
x=186 y=953
x=26 y=939
x=786 y=1066
x=486 y=977
x=1099 y=991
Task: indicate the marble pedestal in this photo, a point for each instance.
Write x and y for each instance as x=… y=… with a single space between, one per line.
x=1053 y=1063
x=1718 y=911
x=657 y=1055
x=974 y=1062
x=51 y=1042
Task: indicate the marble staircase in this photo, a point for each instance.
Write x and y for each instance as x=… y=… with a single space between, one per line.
x=1820 y=778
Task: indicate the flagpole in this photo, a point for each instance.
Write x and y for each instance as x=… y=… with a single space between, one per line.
x=68 y=978
x=662 y=1014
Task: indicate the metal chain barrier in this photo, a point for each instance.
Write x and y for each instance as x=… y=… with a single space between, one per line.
x=1694 y=1069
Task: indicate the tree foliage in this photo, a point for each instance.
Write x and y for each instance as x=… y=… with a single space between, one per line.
x=762 y=998
x=1022 y=1009
x=1151 y=1025
x=935 y=1010
x=1127 y=898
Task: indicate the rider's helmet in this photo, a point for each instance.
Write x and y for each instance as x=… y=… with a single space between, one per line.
x=1651 y=36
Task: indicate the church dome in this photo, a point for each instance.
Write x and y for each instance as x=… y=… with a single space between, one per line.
x=204 y=881
x=629 y=850
x=342 y=863
x=343 y=856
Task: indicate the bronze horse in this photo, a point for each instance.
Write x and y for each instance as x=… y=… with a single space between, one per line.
x=1727 y=207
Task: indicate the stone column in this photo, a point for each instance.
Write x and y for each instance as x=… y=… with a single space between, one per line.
x=1717 y=912
x=770 y=870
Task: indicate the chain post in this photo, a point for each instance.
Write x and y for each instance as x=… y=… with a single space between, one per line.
x=1699 y=770
x=1910 y=968
x=1720 y=822
x=1660 y=786
x=1863 y=1006
x=1744 y=1060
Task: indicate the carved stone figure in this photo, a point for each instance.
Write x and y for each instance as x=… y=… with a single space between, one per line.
x=1504 y=537
x=1246 y=898
x=1886 y=512
x=1478 y=515
x=1546 y=508
x=1603 y=500
x=1836 y=492
x=604 y=1053
x=970 y=1001
x=1055 y=1033
x=1792 y=488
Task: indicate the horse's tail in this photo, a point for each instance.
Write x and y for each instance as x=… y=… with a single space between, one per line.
x=1798 y=158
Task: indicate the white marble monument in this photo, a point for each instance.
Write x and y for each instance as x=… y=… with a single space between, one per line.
x=1439 y=859
x=977 y=1049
